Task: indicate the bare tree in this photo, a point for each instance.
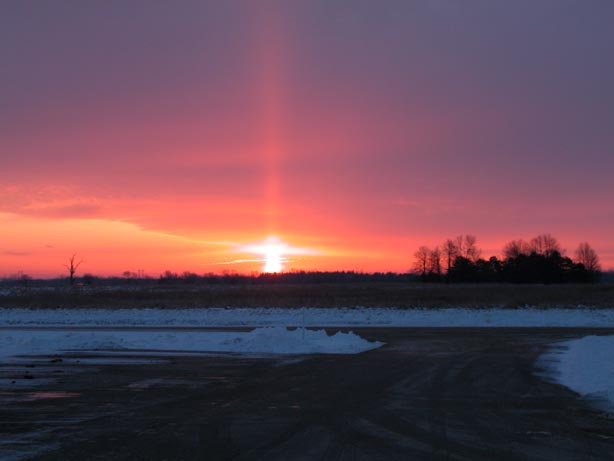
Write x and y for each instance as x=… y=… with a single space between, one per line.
x=460 y=245
x=421 y=261
x=515 y=248
x=545 y=244
x=450 y=251
x=472 y=252
x=129 y=275
x=586 y=256
x=551 y=245
x=72 y=268
x=435 y=261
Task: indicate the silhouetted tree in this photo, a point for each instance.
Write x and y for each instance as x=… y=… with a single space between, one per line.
x=459 y=241
x=450 y=251
x=586 y=256
x=435 y=263
x=463 y=270
x=471 y=251
x=489 y=271
x=516 y=248
x=72 y=267
x=421 y=261
x=190 y=277
x=169 y=277
x=545 y=244
x=540 y=261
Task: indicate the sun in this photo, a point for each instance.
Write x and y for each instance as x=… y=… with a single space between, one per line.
x=273 y=258
x=274 y=253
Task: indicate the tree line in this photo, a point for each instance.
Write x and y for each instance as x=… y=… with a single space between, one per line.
x=539 y=260
x=292 y=277
x=187 y=278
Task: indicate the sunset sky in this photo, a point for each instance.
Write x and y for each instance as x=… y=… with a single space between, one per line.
x=185 y=135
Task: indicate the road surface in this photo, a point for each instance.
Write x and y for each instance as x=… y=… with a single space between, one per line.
x=429 y=393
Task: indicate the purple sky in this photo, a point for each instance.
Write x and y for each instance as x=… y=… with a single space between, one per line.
x=357 y=129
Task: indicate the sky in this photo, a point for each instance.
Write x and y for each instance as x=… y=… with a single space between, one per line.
x=189 y=135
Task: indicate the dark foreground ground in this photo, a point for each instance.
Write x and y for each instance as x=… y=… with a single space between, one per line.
x=468 y=394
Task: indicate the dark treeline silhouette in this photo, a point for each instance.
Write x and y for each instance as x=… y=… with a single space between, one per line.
x=170 y=278
x=294 y=277
x=540 y=260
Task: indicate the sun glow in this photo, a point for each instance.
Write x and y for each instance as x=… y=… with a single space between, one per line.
x=275 y=252
x=273 y=259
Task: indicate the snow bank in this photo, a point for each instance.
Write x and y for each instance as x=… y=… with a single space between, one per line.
x=272 y=340
x=259 y=317
x=586 y=366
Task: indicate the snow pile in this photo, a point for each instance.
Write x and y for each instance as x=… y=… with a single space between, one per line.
x=275 y=340
x=300 y=341
x=313 y=317
x=586 y=366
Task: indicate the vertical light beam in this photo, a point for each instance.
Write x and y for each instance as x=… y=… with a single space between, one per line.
x=270 y=80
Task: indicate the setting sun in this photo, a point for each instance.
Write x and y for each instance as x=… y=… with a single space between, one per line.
x=274 y=252
x=273 y=259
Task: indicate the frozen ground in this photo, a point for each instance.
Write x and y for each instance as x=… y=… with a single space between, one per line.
x=586 y=366
x=259 y=317
x=429 y=394
x=268 y=340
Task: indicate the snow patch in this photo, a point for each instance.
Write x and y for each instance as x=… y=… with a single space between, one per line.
x=586 y=366
x=272 y=340
x=300 y=341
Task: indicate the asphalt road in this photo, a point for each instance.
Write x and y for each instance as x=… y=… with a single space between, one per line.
x=453 y=394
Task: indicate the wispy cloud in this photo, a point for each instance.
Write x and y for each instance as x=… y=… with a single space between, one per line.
x=235 y=261
x=75 y=210
x=49 y=202
x=16 y=253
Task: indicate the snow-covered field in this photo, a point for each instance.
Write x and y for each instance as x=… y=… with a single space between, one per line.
x=260 y=317
x=268 y=340
x=586 y=366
